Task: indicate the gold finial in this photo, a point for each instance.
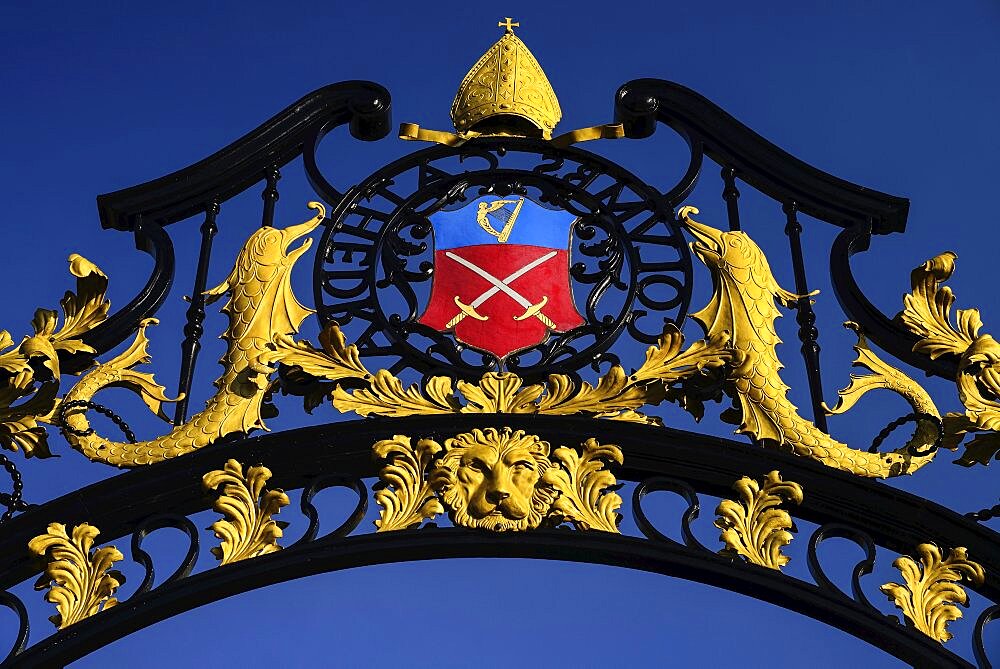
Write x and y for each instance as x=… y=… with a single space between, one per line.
x=506 y=92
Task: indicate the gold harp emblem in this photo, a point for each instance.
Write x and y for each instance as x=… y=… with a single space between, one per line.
x=497 y=209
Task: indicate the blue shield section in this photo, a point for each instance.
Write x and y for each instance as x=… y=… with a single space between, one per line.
x=534 y=226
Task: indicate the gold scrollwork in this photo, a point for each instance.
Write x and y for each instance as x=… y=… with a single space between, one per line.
x=82 y=311
x=930 y=590
x=617 y=394
x=247 y=530
x=753 y=526
x=79 y=578
x=927 y=313
x=498 y=480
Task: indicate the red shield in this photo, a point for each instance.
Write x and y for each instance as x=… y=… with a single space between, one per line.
x=501 y=274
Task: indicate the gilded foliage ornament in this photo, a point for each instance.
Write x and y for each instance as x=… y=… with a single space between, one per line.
x=753 y=526
x=616 y=395
x=584 y=484
x=930 y=592
x=79 y=578
x=927 y=313
x=497 y=480
x=82 y=310
x=248 y=529
x=404 y=494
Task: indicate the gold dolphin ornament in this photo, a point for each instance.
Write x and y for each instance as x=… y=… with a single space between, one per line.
x=261 y=306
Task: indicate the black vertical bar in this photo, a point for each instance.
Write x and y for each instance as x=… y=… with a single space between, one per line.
x=730 y=194
x=270 y=196
x=196 y=313
x=806 y=318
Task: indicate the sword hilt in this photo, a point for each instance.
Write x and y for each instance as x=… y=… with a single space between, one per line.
x=536 y=311
x=546 y=320
x=464 y=310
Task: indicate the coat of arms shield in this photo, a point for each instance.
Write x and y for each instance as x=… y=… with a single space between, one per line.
x=501 y=274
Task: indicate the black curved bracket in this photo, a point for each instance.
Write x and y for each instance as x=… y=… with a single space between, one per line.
x=233 y=169
x=642 y=103
x=884 y=331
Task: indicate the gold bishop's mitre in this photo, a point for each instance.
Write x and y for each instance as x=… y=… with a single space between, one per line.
x=506 y=92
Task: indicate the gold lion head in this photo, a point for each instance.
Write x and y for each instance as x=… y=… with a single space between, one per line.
x=492 y=479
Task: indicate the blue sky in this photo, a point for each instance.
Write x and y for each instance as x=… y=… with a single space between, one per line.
x=900 y=97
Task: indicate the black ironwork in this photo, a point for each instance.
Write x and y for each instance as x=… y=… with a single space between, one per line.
x=806 y=317
x=270 y=196
x=880 y=328
x=985 y=514
x=862 y=212
x=12 y=500
x=731 y=194
x=913 y=417
x=658 y=459
x=986 y=617
x=64 y=408
x=193 y=329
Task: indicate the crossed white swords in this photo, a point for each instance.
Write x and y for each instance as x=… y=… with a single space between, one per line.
x=501 y=285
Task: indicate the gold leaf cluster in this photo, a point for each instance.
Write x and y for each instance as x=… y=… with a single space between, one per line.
x=403 y=492
x=247 y=530
x=616 y=395
x=927 y=313
x=930 y=592
x=20 y=364
x=753 y=526
x=583 y=484
x=79 y=578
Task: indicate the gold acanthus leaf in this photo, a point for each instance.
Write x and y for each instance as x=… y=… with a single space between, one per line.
x=247 y=530
x=616 y=395
x=927 y=310
x=334 y=361
x=753 y=526
x=79 y=578
x=585 y=486
x=927 y=313
x=405 y=497
x=82 y=311
x=386 y=396
x=930 y=592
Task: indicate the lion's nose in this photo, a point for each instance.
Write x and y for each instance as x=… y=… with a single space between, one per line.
x=497 y=495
